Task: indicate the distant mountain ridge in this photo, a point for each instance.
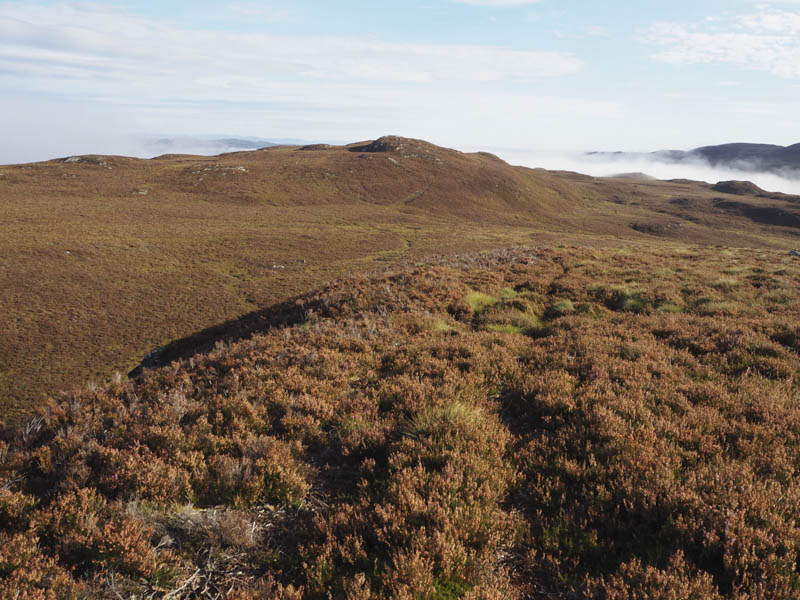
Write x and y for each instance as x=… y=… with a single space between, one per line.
x=784 y=160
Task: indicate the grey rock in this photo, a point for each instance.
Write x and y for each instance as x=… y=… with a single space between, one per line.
x=151 y=360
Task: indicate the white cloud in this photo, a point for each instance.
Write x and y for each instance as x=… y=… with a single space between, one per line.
x=164 y=77
x=247 y=9
x=776 y=22
x=496 y=2
x=597 y=31
x=99 y=45
x=765 y=41
x=259 y=11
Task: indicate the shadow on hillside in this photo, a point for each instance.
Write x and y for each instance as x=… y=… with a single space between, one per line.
x=287 y=313
x=766 y=215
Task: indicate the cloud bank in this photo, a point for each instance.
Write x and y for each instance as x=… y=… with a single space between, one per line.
x=604 y=167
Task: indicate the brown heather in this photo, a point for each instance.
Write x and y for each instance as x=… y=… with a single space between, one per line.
x=535 y=423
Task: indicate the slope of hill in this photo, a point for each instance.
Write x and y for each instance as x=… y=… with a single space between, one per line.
x=537 y=423
x=740 y=156
x=103 y=258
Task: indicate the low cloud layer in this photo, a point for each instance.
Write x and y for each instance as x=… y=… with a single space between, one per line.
x=605 y=167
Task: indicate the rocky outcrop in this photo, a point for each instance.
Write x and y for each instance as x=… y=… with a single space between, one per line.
x=90 y=159
x=405 y=147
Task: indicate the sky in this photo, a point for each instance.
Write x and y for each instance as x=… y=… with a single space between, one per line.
x=516 y=75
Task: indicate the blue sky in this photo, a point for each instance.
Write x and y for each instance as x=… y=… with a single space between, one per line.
x=543 y=75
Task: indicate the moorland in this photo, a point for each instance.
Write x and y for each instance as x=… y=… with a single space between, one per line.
x=104 y=259
x=392 y=370
x=569 y=422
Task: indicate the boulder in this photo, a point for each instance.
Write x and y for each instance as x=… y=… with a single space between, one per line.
x=150 y=361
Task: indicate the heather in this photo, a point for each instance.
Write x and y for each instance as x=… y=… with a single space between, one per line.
x=565 y=422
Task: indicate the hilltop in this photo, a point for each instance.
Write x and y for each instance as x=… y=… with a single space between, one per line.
x=533 y=423
x=105 y=258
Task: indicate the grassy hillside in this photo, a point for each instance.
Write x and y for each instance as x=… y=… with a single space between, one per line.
x=103 y=259
x=541 y=423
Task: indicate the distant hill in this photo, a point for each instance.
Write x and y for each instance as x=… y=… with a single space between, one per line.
x=634 y=176
x=204 y=144
x=745 y=157
x=214 y=144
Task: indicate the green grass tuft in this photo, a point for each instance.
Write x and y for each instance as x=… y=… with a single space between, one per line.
x=631 y=303
x=479 y=302
x=559 y=308
x=505 y=329
x=725 y=284
x=450 y=589
x=442 y=326
x=669 y=308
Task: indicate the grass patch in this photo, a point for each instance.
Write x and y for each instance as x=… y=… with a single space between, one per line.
x=624 y=300
x=505 y=329
x=619 y=298
x=449 y=589
x=725 y=284
x=442 y=326
x=559 y=308
x=479 y=302
x=511 y=321
x=630 y=303
x=669 y=308
x=738 y=270
x=591 y=309
x=431 y=419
